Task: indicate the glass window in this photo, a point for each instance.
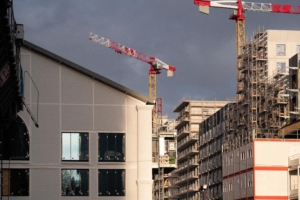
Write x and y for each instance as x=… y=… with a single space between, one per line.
x=249 y=153
x=75 y=182
x=16 y=141
x=111 y=147
x=75 y=147
x=298 y=48
x=111 y=182
x=280 y=49
x=281 y=67
x=15 y=182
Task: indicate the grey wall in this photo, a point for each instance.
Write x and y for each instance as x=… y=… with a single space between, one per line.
x=72 y=102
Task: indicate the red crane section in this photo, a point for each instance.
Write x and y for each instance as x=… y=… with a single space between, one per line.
x=155 y=64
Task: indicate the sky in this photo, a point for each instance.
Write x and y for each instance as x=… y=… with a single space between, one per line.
x=201 y=47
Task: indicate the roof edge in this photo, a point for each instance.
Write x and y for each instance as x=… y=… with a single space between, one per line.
x=87 y=72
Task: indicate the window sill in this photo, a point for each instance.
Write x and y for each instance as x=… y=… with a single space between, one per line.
x=75 y=162
x=111 y=163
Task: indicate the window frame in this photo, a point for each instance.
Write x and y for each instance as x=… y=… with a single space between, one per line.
x=86 y=157
x=243 y=156
x=281 y=52
x=10 y=180
x=117 y=148
x=123 y=180
x=281 y=66
x=87 y=181
x=250 y=153
x=298 y=48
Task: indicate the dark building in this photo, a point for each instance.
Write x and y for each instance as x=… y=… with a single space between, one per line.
x=11 y=35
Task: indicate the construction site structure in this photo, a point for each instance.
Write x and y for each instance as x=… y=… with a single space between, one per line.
x=190 y=114
x=164 y=156
x=263 y=86
x=266 y=112
x=211 y=136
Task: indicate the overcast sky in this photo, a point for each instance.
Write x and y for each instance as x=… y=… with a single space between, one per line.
x=201 y=47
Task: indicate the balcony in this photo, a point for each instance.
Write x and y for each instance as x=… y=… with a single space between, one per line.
x=188 y=191
x=186 y=178
x=184 y=167
x=181 y=122
x=187 y=153
x=182 y=133
x=187 y=141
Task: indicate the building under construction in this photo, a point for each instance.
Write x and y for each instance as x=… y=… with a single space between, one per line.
x=211 y=135
x=164 y=157
x=259 y=128
x=190 y=114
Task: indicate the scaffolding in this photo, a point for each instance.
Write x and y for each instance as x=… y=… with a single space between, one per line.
x=263 y=103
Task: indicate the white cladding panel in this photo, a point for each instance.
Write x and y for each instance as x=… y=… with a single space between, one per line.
x=45 y=74
x=273 y=153
x=271 y=183
x=289 y=38
x=75 y=88
x=72 y=102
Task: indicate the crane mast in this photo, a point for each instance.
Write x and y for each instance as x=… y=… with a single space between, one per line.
x=156 y=66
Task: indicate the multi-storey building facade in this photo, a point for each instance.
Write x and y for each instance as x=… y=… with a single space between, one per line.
x=268 y=104
x=93 y=140
x=164 y=158
x=211 y=136
x=191 y=114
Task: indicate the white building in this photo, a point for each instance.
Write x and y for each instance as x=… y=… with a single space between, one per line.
x=93 y=140
x=259 y=170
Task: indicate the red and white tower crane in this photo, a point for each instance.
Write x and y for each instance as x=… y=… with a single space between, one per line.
x=156 y=65
x=239 y=8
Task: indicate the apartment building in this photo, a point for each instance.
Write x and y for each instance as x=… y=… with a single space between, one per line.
x=164 y=157
x=212 y=132
x=190 y=114
x=255 y=160
x=93 y=140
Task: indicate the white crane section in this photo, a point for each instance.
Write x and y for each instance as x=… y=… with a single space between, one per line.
x=249 y=6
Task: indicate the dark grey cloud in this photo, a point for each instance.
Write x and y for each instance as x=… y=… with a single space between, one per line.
x=201 y=47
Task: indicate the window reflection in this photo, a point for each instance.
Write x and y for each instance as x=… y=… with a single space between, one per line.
x=75 y=182
x=112 y=147
x=111 y=182
x=75 y=146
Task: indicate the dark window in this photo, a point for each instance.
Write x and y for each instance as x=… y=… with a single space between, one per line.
x=75 y=182
x=15 y=182
x=75 y=147
x=111 y=147
x=111 y=182
x=15 y=141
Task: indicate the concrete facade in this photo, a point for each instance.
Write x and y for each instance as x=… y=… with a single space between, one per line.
x=212 y=132
x=262 y=173
x=190 y=114
x=74 y=100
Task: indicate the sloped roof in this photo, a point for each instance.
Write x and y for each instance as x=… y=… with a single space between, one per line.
x=93 y=75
